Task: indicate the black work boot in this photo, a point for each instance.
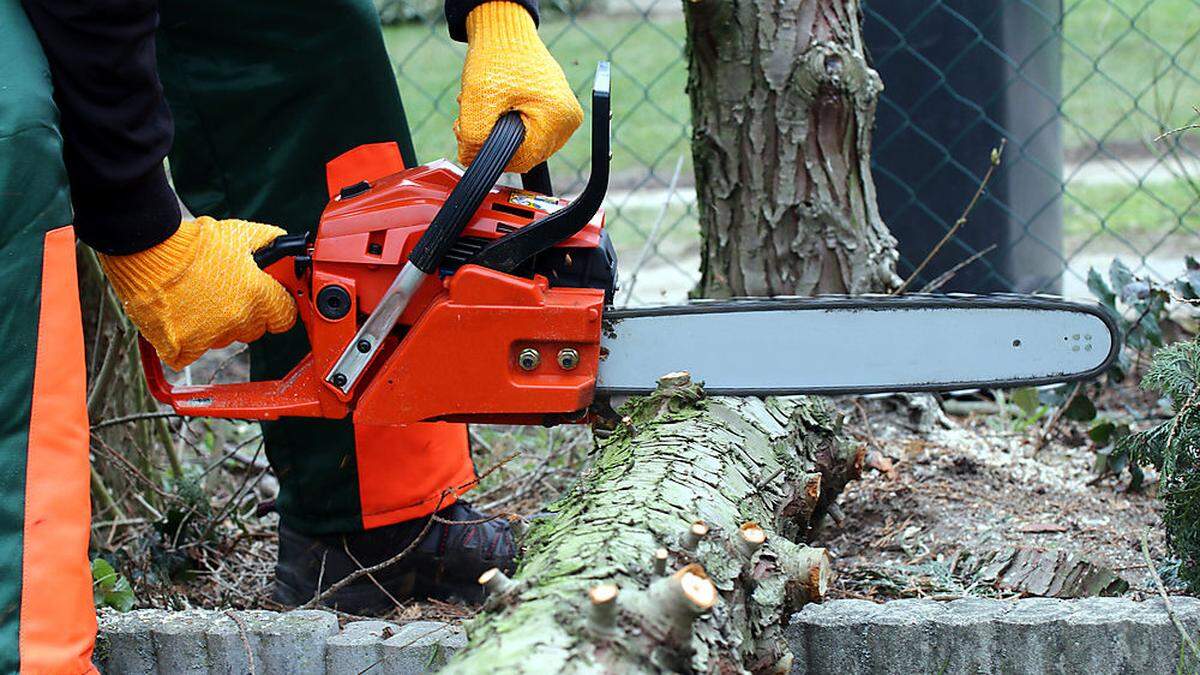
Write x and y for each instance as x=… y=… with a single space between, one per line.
x=458 y=546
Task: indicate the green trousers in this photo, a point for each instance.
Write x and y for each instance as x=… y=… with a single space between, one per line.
x=47 y=623
x=263 y=94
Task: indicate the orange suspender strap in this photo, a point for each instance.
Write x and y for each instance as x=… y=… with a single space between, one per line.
x=58 y=620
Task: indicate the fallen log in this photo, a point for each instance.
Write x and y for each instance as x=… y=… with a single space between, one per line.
x=680 y=546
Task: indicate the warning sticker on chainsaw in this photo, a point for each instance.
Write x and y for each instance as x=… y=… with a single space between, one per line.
x=533 y=200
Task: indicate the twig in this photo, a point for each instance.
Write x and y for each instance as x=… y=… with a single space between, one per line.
x=997 y=153
x=476 y=438
x=245 y=640
x=364 y=571
x=949 y=274
x=113 y=354
x=1045 y=438
x=135 y=417
x=129 y=468
x=225 y=363
x=159 y=426
x=1180 y=130
x=1162 y=591
x=346 y=548
x=105 y=495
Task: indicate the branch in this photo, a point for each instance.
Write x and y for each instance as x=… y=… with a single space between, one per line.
x=997 y=154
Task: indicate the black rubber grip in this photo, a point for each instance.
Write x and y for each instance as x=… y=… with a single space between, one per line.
x=288 y=245
x=509 y=252
x=538 y=180
x=465 y=198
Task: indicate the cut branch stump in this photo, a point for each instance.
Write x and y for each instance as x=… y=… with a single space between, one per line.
x=680 y=548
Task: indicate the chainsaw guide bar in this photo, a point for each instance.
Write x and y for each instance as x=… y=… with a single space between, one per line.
x=858 y=345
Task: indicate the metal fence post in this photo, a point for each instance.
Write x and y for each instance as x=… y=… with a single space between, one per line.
x=959 y=76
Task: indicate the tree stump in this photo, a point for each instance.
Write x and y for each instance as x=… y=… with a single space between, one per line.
x=680 y=546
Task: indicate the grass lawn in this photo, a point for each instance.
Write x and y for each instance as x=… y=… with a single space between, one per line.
x=650 y=107
x=1132 y=210
x=1127 y=70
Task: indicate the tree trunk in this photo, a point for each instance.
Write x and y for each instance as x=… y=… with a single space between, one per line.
x=783 y=102
x=679 y=547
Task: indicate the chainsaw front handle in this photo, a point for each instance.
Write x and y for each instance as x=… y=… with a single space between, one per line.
x=466 y=197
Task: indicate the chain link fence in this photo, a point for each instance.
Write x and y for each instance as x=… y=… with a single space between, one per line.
x=1080 y=89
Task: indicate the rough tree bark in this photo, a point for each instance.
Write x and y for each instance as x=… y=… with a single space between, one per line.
x=678 y=549
x=783 y=102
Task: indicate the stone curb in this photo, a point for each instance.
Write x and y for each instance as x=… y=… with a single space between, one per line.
x=153 y=641
x=1091 y=636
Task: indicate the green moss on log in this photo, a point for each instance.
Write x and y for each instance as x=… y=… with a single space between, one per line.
x=677 y=458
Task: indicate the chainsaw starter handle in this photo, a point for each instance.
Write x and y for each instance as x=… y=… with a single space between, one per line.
x=466 y=197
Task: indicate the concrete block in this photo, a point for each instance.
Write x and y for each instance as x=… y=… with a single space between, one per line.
x=1029 y=635
x=898 y=639
x=294 y=642
x=232 y=651
x=832 y=637
x=1095 y=635
x=359 y=647
x=421 y=646
x=126 y=643
x=179 y=642
x=962 y=636
x=1154 y=642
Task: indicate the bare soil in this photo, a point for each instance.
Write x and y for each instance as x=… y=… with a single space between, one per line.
x=955 y=486
x=968 y=485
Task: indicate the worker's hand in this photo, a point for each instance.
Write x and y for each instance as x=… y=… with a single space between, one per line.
x=508 y=68
x=201 y=290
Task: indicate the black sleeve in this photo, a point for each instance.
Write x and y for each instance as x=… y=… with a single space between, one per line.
x=115 y=123
x=457 y=11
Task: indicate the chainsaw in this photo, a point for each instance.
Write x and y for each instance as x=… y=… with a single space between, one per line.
x=430 y=293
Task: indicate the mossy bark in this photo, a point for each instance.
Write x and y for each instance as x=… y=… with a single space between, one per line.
x=783 y=103
x=743 y=468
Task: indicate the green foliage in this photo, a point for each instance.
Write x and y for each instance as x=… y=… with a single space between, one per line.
x=1171 y=447
x=1141 y=307
x=111 y=589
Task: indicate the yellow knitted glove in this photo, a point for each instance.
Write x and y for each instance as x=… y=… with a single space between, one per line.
x=508 y=68
x=201 y=290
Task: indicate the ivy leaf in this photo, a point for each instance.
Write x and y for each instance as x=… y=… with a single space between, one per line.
x=111 y=589
x=1100 y=289
x=1151 y=329
x=1027 y=400
x=1102 y=432
x=1118 y=462
x=1134 y=291
x=1119 y=275
x=1054 y=396
x=1136 y=478
x=1081 y=409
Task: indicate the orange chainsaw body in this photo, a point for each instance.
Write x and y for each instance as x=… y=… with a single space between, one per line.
x=454 y=353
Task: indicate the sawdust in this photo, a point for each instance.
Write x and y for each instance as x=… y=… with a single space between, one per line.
x=961 y=486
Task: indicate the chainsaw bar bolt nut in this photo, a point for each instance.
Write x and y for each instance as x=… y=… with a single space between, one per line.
x=568 y=358
x=529 y=358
